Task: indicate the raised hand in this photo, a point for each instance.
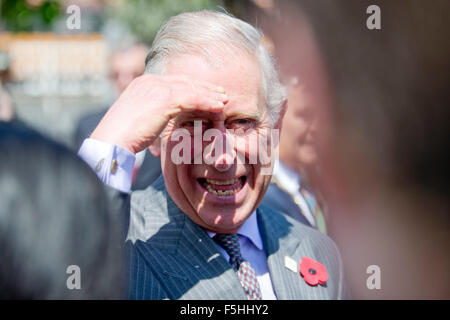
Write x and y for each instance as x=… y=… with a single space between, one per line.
x=143 y=110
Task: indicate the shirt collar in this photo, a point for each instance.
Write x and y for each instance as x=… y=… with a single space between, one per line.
x=288 y=178
x=249 y=229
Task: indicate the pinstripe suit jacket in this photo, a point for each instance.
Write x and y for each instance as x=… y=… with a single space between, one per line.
x=173 y=258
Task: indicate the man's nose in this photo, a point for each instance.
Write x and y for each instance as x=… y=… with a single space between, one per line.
x=223 y=163
x=222 y=154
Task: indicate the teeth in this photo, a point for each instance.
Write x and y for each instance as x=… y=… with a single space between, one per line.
x=221 y=192
x=221 y=183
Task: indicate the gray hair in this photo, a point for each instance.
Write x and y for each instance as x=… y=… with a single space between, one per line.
x=208 y=32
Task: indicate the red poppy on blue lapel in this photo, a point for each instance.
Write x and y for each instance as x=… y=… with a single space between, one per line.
x=313 y=272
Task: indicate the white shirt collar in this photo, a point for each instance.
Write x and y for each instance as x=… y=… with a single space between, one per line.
x=249 y=229
x=288 y=178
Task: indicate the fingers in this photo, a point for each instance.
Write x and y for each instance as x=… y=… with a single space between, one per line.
x=200 y=96
x=204 y=101
x=214 y=101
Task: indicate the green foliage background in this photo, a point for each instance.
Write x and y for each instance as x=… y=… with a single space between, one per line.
x=18 y=15
x=145 y=17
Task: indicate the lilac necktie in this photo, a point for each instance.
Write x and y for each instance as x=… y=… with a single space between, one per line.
x=246 y=274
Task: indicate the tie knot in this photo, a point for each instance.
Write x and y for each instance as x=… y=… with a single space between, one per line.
x=230 y=243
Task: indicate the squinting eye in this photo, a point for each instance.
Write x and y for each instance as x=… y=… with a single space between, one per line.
x=187 y=124
x=241 y=123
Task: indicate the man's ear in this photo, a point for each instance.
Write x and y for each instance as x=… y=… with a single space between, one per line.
x=155 y=147
x=279 y=122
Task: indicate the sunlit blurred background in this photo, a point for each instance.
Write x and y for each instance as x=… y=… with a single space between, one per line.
x=54 y=73
x=384 y=118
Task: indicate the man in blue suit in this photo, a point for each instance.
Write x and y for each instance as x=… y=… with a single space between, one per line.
x=209 y=104
x=289 y=190
x=293 y=189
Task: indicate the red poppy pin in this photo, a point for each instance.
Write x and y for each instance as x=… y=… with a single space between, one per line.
x=313 y=272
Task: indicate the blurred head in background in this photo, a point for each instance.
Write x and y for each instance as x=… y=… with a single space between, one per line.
x=6 y=106
x=383 y=142
x=297 y=144
x=7 y=112
x=127 y=64
x=54 y=214
x=308 y=94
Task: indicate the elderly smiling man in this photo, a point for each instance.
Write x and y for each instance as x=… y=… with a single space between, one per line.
x=197 y=232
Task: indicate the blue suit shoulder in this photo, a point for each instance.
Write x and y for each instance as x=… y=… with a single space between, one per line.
x=296 y=228
x=279 y=200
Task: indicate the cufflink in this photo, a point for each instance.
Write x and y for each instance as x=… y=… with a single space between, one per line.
x=114 y=166
x=99 y=165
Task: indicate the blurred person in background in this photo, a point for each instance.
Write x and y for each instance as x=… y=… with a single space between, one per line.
x=289 y=190
x=7 y=110
x=293 y=188
x=126 y=65
x=6 y=107
x=383 y=150
x=54 y=214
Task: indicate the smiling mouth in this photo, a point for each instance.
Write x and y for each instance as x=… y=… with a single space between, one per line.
x=223 y=188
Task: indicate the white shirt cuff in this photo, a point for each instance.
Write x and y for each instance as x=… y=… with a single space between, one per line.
x=112 y=164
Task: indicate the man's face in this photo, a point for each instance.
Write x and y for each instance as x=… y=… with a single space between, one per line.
x=298 y=140
x=126 y=66
x=221 y=195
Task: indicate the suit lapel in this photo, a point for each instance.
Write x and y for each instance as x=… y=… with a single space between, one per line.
x=286 y=203
x=216 y=275
x=282 y=239
x=283 y=280
x=279 y=200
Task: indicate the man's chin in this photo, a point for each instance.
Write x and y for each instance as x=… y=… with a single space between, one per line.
x=226 y=222
x=307 y=157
